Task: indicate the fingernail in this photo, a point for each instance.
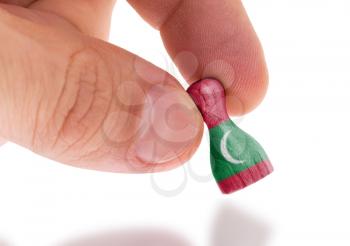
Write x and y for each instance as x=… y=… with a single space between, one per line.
x=172 y=125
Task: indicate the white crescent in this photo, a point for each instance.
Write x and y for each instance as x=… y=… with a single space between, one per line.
x=224 y=151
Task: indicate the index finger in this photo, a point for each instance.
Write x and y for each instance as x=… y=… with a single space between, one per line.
x=212 y=39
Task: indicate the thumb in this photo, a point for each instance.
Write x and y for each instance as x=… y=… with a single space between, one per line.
x=87 y=103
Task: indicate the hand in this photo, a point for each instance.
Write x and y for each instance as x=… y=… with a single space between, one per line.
x=67 y=94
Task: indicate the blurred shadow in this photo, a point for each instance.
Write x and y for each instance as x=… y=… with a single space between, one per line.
x=232 y=226
x=3 y=243
x=132 y=237
x=235 y=227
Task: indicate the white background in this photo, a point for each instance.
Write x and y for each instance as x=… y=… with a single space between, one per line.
x=303 y=125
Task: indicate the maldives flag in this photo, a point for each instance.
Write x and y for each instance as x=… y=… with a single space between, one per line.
x=237 y=159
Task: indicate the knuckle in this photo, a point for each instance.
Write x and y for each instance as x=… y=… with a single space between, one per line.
x=82 y=105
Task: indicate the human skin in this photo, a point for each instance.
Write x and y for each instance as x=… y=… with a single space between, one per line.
x=69 y=95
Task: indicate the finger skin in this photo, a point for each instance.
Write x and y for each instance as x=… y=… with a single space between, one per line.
x=23 y=3
x=87 y=103
x=91 y=17
x=212 y=39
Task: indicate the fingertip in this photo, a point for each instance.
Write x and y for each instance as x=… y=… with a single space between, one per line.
x=175 y=160
x=248 y=91
x=173 y=129
x=245 y=79
x=218 y=42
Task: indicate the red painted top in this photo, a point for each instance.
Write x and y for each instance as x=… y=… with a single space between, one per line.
x=209 y=96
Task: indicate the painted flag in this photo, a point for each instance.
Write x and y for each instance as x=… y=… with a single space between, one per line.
x=237 y=159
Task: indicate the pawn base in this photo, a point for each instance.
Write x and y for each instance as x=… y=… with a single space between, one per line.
x=245 y=177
